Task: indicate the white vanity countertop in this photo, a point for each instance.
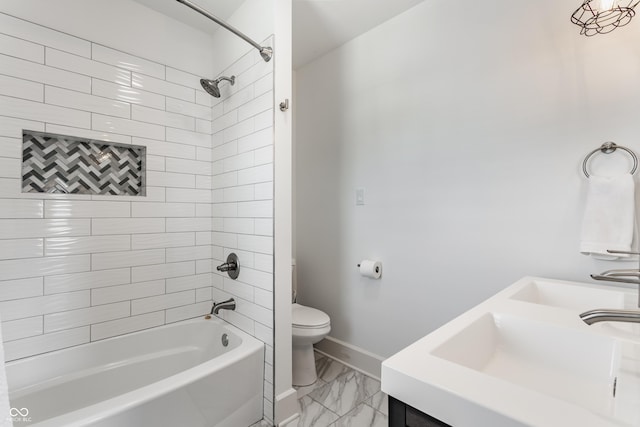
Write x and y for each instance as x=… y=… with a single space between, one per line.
x=525 y=358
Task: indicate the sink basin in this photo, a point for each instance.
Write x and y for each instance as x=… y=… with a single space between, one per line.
x=514 y=361
x=570 y=365
x=570 y=296
x=581 y=298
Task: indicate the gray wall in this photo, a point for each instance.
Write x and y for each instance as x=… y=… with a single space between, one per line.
x=466 y=123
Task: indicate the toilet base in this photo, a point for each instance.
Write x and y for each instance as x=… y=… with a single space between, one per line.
x=304 y=365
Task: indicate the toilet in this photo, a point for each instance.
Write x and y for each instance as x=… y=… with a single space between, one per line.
x=309 y=326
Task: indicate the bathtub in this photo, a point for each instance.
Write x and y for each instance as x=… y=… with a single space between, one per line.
x=174 y=375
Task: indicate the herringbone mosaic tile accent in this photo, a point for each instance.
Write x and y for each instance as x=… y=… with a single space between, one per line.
x=66 y=164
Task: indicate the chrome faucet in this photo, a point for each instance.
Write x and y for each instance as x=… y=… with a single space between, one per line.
x=618 y=275
x=621 y=276
x=229 y=304
x=231 y=267
x=604 y=315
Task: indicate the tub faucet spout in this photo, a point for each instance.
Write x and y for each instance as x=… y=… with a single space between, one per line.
x=229 y=304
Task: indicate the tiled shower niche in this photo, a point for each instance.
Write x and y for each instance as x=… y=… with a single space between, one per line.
x=54 y=163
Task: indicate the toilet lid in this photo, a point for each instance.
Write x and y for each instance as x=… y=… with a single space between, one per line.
x=307 y=317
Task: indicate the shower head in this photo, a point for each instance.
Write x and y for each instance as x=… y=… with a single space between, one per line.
x=211 y=86
x=266 y=53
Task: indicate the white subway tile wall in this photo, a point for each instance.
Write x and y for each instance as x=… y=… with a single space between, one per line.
x=79 y=268
x=75 y=269
x=242 y=200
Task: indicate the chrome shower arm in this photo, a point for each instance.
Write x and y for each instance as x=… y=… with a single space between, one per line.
x=231 y=79
x=265 y=51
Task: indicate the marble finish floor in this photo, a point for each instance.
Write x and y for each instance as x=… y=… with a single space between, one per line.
x=342 y=397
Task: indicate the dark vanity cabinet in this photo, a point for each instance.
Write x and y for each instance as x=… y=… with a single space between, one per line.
x=403 y=415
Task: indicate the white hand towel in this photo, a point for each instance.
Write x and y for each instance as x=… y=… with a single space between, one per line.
x=609 y=216
x=6 y=419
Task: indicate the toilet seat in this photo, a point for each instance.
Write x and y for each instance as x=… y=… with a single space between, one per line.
x=308 y=318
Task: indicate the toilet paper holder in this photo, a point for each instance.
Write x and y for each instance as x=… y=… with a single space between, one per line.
x=377 y=268
x=370 y=268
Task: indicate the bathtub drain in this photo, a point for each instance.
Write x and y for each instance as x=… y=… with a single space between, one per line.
x=225 y=340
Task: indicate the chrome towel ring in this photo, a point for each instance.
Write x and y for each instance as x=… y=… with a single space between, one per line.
x=608 y=148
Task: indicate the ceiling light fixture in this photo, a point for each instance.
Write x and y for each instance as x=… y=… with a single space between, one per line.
x=603 y=16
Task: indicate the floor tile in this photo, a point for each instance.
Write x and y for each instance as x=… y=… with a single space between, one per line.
x=362 y=416
x=262 y=423
x=294 y=423
x=313 y=414
x=303 y=391
x=379 y=402
x=329 y=369
x=345 y=392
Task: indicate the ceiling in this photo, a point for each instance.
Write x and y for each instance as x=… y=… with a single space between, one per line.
x=220 y=8
x=319 y=26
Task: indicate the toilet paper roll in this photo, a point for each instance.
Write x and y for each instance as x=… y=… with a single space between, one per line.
x=369 y=268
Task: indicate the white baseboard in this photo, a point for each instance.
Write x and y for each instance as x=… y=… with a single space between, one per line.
x=355 y=357
x=291 y=421
x=286 y=407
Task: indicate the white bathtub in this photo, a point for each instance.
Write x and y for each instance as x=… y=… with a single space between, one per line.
x=175 y=375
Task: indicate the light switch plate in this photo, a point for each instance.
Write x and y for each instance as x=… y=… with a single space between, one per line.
x=359 y=196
